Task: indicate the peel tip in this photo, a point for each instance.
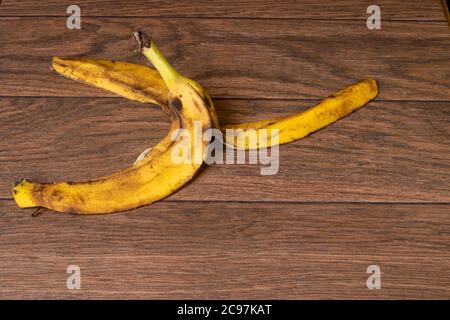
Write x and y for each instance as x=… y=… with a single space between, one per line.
x=57 y=59
x=23 y=194
x=21 y=182
x=370 y=87
x=56 y=63
x=373 y=82
x=374 y=86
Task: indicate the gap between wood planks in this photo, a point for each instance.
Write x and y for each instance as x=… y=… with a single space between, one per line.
x=216 y=98
x=218 y=18
x=296 y=202
x=307 y=9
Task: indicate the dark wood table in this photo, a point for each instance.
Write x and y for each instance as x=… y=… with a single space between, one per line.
x=372 y=189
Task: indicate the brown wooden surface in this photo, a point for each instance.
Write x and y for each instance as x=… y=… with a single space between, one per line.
x=371 y=189
x=299 y=59
x=230 y=250
x=281 y=9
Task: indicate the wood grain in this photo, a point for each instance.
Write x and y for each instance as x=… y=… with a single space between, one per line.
x=291 y=9
x=387 y=151
x=373 y=188
x=229 y=250
x=293 y=59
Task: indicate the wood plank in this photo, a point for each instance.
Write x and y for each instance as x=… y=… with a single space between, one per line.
x=270 y=59
x=229 y=250
x=305 y=9
x=387 y=152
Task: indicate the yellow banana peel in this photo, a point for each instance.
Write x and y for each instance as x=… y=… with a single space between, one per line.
x=300 y=125
x=156 y=175
x=148 y=180
x=129 y=80
x=119 y=77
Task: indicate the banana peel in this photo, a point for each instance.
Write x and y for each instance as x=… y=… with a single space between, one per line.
x=300 y=125
x=129 y=80
x=121 y=77
x=155 y=176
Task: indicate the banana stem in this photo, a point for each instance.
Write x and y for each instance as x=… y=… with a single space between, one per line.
x=147 y=46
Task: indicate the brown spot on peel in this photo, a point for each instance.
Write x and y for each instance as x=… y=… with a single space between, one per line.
x=176 y=103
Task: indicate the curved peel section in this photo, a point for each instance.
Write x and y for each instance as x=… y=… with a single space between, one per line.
x=297 y=126
x=129 y=80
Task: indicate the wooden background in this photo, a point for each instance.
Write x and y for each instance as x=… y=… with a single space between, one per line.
x=373 y=188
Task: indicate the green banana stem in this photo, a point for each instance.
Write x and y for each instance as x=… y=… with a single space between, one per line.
x=148 y=47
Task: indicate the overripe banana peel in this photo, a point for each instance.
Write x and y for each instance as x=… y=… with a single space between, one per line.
x=129 y=80
x=300 y=125
x=121 y=77
x=148 y=180
x=155 y=175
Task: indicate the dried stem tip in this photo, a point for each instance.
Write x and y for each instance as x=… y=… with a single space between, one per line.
x=142 y=40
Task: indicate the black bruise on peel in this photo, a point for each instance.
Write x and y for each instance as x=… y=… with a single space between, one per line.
x=21 y=181
x=176 y=103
